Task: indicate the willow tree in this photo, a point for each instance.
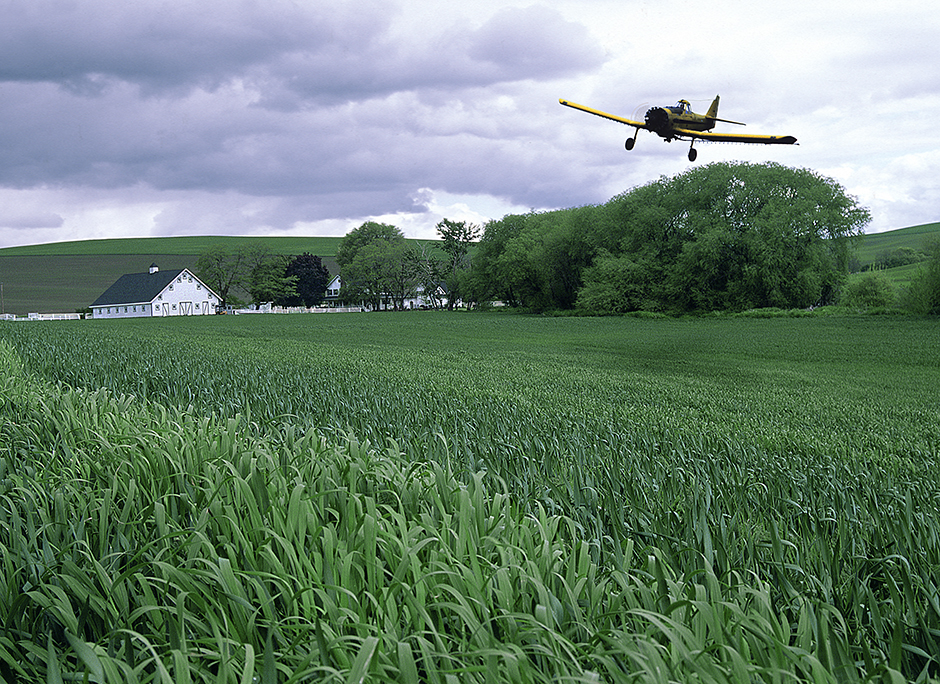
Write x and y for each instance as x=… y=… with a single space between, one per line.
x=729 y=236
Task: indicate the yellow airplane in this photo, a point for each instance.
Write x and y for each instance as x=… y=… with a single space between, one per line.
x=680 y=122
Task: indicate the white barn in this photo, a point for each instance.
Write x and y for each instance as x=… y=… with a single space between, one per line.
x=157 y=293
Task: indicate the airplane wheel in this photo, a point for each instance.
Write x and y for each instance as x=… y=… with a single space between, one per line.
x=630 y=143
x=693 y=153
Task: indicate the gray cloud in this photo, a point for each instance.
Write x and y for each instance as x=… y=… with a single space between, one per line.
x=20 y=220
x=83 y=45
x=242 y=116
x=223 y=96
x=514 y=45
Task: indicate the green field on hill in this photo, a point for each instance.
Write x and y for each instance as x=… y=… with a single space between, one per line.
x=66 y=276
x=470 y=497
x=188 y=246
x=914 y=237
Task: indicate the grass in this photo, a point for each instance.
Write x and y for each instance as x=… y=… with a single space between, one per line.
x=434 y=497
x=180 y=246
x=915 y=237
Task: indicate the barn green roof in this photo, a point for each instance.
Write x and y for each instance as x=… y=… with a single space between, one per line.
x=137 y=288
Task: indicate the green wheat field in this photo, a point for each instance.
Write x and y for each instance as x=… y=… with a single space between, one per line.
x=470 y=497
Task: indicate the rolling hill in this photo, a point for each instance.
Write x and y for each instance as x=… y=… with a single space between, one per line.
x=67 y=276
x=915 y=237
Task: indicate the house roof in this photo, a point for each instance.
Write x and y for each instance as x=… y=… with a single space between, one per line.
x=135 y=288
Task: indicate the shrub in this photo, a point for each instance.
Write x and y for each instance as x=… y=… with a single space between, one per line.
x=923 y=294
x=871 y=290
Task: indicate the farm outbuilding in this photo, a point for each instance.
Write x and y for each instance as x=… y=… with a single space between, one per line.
x=156 y=293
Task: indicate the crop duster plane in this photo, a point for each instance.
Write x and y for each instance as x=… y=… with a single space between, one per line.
x=681 y=123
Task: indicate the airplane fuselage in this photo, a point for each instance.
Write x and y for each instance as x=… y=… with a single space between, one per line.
x=679 y=122
x=663 y=121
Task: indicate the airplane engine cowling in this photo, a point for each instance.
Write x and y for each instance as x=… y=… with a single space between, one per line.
x=657 y=119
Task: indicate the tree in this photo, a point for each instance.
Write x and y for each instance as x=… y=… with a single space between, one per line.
x=514 y=261
x=270 y=283
x=490 y=281
x=367 y=233
x=248 y=268
x=404 y=272
x=224 y=270
x=902 y=256
x=311 y=278
x=760 y=235
x=870 y=290
x=613 y=285
x=373 y=261
x=429 y=274
x=923 y=294
x=456 y=239
x=722 y=236
x=218 y=268
x=371 y=275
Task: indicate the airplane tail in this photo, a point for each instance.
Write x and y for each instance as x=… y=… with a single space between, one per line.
x=713 y=110
x=712 y=115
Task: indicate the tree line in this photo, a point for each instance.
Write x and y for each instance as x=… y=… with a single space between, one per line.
x=726 y=236
x=378 y=266
x=263 y=275
x=721 y=237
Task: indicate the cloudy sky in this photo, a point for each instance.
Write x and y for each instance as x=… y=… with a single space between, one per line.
x=308 y=117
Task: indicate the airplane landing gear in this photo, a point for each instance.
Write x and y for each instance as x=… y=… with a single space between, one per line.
x=630 y=143
x=692 y=153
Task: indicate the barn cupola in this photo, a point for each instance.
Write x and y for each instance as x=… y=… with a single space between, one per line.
x=154 y=268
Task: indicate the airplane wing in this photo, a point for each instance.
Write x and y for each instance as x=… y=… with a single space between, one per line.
x=605 y=115
x=736 y=137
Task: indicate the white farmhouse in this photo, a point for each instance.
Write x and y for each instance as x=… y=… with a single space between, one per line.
x=157 y=293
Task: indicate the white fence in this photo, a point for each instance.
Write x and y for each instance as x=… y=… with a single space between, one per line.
x=43 y=317
x=300 y=309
